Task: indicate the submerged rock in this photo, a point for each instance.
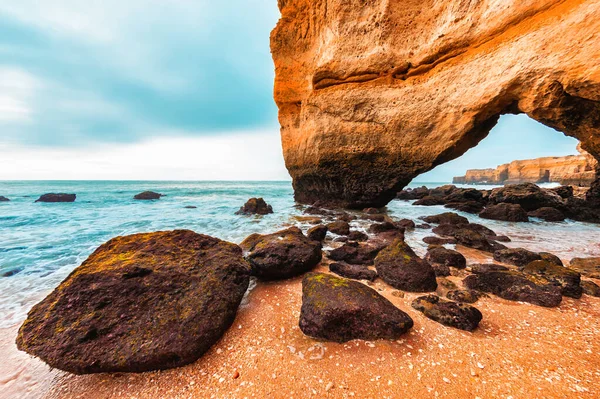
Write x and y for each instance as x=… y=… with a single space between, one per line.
x=515 y=286
x=516 y=256
x=505 y=212
x=457 y=315
x=3 y=199
x=138 y=303
x=57 y=197
x=339 y=310
x=147 y=196
x=401 y=268
x=357 y=272
x=284 y=254
x=548 y=214
x=255 y=206
x=589 y=267
x=568 y=279
x=317 y=233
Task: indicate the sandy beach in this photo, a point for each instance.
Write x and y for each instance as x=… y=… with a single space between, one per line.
x=518 y=351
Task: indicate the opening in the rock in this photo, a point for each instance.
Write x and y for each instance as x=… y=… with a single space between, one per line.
x=518 y=149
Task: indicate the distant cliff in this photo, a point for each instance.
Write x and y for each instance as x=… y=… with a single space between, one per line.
x=577 y=170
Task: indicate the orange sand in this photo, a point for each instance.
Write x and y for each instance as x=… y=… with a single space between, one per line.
x=518 y=351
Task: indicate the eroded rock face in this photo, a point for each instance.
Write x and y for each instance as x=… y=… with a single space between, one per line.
x=138 y=303
x=374 y=93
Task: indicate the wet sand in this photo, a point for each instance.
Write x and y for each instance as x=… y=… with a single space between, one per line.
x=518 y=351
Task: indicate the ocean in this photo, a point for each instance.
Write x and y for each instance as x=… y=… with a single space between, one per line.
x=40 y=244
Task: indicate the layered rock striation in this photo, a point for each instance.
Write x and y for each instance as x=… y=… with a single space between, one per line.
x=373 y=93
x=578 y=170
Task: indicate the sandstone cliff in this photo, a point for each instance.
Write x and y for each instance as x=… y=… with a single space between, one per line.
x=578 y=170
x=372 y=93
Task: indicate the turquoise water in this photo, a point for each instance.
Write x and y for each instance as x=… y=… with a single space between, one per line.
x=40 y=244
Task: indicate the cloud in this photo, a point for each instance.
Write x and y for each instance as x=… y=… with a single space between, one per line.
x=243 y=155
x=123 y=71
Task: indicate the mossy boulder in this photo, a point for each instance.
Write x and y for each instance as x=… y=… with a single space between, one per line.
x=255 y=206
x=339 y=310
x=147 y=196
x=400 y=267
x=356 y=272
x=448 y=313
x=589 y=267
x=138 y=303
x=57 y=197
x=516 y=256
x=569 y=280
x=284 y=254
x=515 y=286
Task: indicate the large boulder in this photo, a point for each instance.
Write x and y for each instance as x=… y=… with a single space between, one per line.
x=284 y=254
x=589 y=267
x=446 y=218
x=468 y=206
x=356 y=272
x=147 y=196
x=469 y=235
x=568 y=279
x=516 y=256
x=515 y=286
x=401 y=268
x=255 y=206
x=453 y=314
x=339 y=310
x=505 y=212
x=139 y=303
x=57 y=197
x=528 y=195
x=548 y=214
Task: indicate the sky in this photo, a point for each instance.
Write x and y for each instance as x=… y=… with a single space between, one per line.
x=165 y=90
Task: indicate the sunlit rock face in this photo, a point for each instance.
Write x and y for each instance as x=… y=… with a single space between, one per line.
x=372 y=93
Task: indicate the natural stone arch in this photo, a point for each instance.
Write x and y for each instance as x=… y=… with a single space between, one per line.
x=373 y=93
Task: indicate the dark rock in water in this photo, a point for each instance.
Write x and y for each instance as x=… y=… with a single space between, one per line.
x=466 y=296
x=345 y=217
x=281 y=255
x=340 y=310
x=3 y=199
x=516 y=286
x=498 y=238
x=190 y=207
x=355 y=253
x=487 y=267
x=357 y=236
x=317 y=233
x=443 y=191
x=147 y=196
x=12 y=272
x=548 y=214
x=255 y=206
x=406 y=224
x=590 y=288
x=374 y=218
x=469 y=236
x=563 y=191
x=357 y=272
x=464 y=195
x=430 y=201
x=139 y=303
x=505 y=212
x=339 y=227
x=548 y=257
x=432 y=240
x=447 y=257
x=57 y=197
x=589 y=267
x=378 y=228
x=528 y=195
x=372 y=211
x=341 y=239
x=468 y=207
x=423 y=226
x=401 y=268
x=446 y=218
x=313 y=210
x=516 y=256
x=582 y=210
x=568 y=279
x=413 y=194
x=452 y=314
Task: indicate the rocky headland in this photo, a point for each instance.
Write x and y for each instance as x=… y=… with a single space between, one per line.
x=372 y=94
x=576 y=170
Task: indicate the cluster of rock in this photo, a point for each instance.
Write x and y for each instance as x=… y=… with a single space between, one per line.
x=161 y=300
x=513 y=203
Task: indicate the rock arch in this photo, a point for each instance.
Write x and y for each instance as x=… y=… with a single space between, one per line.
x=372 y=93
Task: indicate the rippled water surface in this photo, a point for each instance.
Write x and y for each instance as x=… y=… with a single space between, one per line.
x=41 y=243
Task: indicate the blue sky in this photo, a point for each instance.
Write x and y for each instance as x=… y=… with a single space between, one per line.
x=83 y=80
